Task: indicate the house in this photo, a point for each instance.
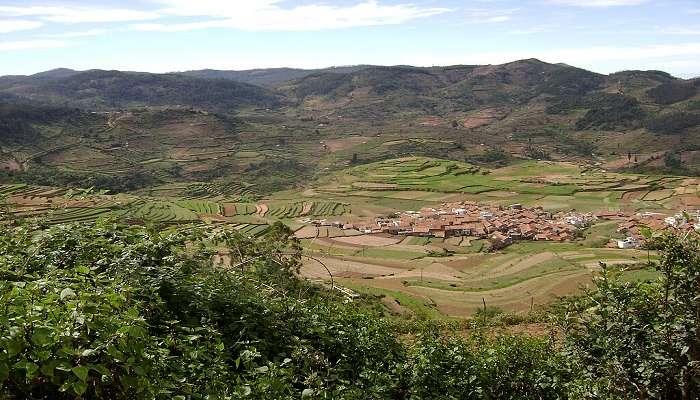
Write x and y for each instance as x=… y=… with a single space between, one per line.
x=421 y=231
x=499 y=241
x=628 y=243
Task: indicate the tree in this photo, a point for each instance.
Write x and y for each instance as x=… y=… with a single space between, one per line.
x=671 y=161
x=640 y=339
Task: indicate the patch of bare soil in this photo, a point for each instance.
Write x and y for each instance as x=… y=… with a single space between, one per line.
x=343 y=269
x=261 y=209
x=10 y=164
x=434 y=271
x=623 y=161
x=485 y=117
x=306 y=208
x=468 y=262
x=335 y=145
x=432 y=121
x=689 y=200
x=307 y=232
x=229 y=209
x=395 y=306
x=368 y=240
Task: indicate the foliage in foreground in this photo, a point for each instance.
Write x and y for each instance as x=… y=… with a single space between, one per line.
x=111 y=311
x=640 y=339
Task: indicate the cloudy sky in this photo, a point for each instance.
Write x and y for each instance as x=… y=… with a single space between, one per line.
x=172 y=35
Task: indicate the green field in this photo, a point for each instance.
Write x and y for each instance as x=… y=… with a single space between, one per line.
x=429 y=277
x=420 y=181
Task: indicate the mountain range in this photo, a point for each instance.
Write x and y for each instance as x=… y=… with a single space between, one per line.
x=478 y=113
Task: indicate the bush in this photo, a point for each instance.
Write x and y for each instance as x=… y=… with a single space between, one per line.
x=481 y=368
x=673 y=123
x=639 y=339
x=673 y=92
x=610 y=111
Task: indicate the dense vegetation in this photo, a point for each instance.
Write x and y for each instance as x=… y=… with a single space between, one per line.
x=673 y=92
x=43 y=176
x=115 y=89
x=112 y=311
x=17 y=121
x=673 y=123
x=610 y=111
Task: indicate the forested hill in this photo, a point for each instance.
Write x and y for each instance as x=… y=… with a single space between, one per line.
x=267 y=77
x=113 y=90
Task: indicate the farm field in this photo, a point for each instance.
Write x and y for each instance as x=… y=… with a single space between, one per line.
x=445 y=278
x=414 y=182
x=423 y=276
x=528 y=274
x=56 y=206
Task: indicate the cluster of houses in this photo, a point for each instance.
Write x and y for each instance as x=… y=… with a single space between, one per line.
x=500 y=225
x=632 y=225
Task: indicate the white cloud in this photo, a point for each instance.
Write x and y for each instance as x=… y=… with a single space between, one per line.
x=13 y=25
x=268 y=15
x=78 y=14
x=599 y=3
x=91 y=32
x=500 y=18
x=33 y=44
x=536 y=29
x=484 y=16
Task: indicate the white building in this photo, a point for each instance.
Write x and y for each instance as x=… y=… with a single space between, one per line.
x=628 y=243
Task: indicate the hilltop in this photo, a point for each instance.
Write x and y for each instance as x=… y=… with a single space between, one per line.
x=114 y=90
x=268 y=77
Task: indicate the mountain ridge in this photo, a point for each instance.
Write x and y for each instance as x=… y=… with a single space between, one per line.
x=175 y=128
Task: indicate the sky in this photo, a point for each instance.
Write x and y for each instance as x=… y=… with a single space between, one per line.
x=176 y=35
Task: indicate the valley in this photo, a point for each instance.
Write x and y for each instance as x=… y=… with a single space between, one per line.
x=425 y=277
x=321 y=149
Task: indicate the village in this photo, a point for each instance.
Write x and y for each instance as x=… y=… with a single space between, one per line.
x=632 y=225
x=502 y=226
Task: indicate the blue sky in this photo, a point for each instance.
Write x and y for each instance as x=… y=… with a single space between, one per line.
x=174 y=35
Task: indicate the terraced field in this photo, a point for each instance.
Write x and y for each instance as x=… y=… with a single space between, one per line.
x=429 y=277
x=552 y=185
x=228 y=192
x=61 y=205
x=161 y=211
x=299 y=209
x=528 y=274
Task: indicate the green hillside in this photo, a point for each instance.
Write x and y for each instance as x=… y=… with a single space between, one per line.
x=167 y=129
